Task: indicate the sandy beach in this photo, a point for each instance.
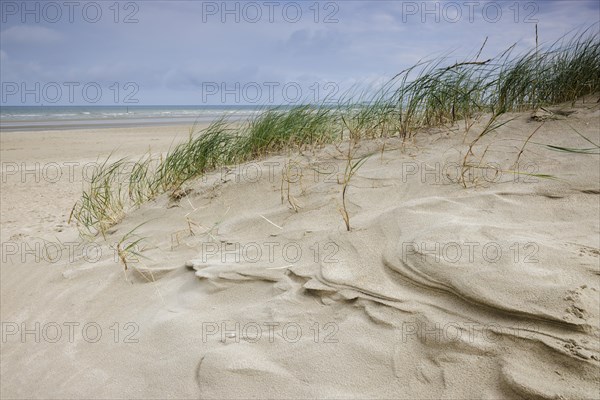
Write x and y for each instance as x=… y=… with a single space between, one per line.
x=300 y=200
x=250 y=286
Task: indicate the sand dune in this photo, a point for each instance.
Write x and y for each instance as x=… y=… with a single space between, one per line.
x=439 y=291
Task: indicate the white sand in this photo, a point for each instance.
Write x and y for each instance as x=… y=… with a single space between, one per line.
x=383 y=313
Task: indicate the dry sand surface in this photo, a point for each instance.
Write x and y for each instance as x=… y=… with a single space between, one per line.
x=439 y=291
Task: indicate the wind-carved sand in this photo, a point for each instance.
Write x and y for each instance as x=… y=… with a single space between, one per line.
x=395 y=317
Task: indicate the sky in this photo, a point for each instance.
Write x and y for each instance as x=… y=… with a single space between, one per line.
x=250 y=52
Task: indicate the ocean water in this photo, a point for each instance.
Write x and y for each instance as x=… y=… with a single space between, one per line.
x=23 y=118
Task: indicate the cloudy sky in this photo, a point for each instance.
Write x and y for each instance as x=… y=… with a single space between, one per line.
x=187 y=52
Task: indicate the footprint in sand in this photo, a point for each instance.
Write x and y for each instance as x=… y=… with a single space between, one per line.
x=579 y=302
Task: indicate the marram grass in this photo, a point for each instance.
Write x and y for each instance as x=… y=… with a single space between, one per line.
x=431 y=93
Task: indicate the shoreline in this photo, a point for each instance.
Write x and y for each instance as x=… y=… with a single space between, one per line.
x=70 y=125
x=80 y=125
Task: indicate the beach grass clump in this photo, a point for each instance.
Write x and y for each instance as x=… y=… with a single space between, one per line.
x=102 y=203
x=142 y=185
x=564 y=72
x=366 y=115
x=276 y=129
x=211 y=148
x=430 y=93
x=573 y=69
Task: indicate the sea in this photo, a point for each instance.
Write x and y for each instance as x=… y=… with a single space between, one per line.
x=34 y=118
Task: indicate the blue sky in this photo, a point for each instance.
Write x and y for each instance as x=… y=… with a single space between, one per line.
x=184 y=52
